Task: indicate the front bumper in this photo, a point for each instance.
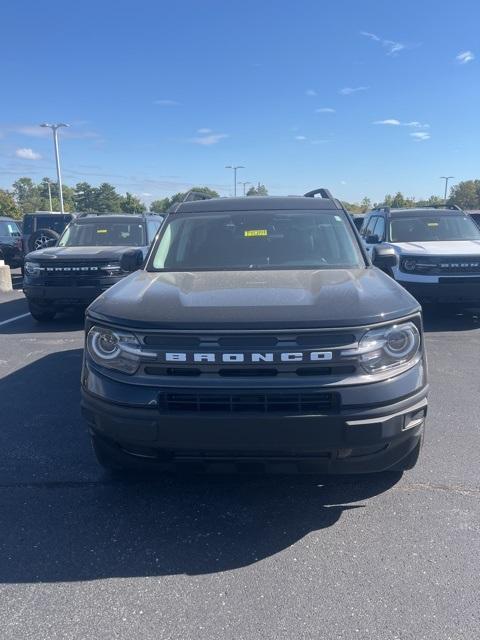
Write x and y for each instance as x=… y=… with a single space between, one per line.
x=356 y=439
x=455 y=290
x=66 y=296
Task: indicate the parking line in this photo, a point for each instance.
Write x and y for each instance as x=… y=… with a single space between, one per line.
x=24 y=315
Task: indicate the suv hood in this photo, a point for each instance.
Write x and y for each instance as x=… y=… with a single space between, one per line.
x=441 y=248
x=79 y=253
x=254 y=299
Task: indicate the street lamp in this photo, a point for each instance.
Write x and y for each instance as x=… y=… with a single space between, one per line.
x=244 y=185
x=229 y=166
x=49 y=194
x=446 y=178
x=54 y=128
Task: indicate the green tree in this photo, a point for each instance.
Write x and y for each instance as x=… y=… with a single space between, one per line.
x=8 y=207
x=26 y=195
x=106 y=199
x=131 y=204
x=84 y=197
x=259 y=190
x=366 y=204
x=159 y=206
x=166 y=203
x=466 y=194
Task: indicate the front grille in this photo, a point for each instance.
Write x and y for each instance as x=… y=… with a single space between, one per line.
x=73 y=274
x=252 y=401
x=445 y=265
x=317 y=340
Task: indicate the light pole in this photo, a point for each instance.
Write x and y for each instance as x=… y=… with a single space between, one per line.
x=244 y=185
x=446 y=178
x=54 y=128
x=49 y=194
x=229 y=166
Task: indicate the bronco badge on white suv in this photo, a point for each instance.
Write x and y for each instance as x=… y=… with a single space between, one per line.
x=438 y=251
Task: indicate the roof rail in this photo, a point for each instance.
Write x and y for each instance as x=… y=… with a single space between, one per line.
x=325 y=193
x=85 y=214
x=190 y=196
x=452 y=207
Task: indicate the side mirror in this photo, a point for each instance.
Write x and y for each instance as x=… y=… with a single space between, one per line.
x=51 y=242
x=384 y=257
x=372 y=239
x=131 y=260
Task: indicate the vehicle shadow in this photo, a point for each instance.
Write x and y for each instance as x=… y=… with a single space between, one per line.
x=438 y=318
x=72 y=320
x=64 y=520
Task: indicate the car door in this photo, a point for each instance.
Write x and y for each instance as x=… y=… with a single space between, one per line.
x=368 y=232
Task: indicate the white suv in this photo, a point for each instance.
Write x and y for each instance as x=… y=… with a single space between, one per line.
x=438 y=251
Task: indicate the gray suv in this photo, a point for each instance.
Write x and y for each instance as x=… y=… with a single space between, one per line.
x=258 y=336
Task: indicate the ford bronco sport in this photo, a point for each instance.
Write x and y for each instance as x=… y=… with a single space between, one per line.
x=258 y=336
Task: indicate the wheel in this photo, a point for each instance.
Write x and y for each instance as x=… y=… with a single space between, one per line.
x=41 y=314
x=41 y=238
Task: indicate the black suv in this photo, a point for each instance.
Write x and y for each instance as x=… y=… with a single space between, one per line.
x=41 y=227
x=10 y=242
x=85 y=261
x=257 y=336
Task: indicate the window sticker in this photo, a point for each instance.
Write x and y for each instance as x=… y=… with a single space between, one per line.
x=255 y=233
x=102 y=230
x=432 y=224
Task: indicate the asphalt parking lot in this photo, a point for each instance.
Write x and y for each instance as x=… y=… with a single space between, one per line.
x=85 y=556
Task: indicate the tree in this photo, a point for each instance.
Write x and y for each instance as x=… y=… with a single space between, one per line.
x=166 y=203
x=366 y=204
x=26 y=195
x=466 y=194
x=131 y=204
x=8 y=206
x=106 y=199
x=159 y=206
x=259 y=190
x=84 y=197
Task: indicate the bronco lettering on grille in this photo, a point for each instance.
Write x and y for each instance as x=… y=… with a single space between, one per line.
x=250 y=357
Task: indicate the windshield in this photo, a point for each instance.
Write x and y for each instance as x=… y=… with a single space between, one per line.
x=433 y=228
x=257 y=240
x=101 y=233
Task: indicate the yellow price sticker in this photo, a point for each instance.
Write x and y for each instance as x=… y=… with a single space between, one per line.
x=255 y=233
x=432 y=224
x=102 y=231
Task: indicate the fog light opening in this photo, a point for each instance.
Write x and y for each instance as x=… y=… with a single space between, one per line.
x=344 y=453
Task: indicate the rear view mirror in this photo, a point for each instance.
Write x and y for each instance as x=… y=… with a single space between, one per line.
x=384 y=257
x=131 y=260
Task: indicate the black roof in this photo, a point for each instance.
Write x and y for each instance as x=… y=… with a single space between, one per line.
x=260 y=203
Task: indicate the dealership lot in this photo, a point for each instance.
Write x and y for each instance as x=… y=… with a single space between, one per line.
x=83 y=555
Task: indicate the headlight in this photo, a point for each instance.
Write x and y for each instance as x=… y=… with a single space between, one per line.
x=114 y=349
x=387 y=348
x=32 y=268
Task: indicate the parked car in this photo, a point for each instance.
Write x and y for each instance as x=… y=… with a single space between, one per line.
x=10 y=242
x=438 y=251
x=475 y=216
x=85 y=261
x=257 y=336
x=40 y=227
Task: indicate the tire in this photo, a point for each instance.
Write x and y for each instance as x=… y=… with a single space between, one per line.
x=39 y=239
x=41 y=314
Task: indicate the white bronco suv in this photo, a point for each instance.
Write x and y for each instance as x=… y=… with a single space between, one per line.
x=438 y=251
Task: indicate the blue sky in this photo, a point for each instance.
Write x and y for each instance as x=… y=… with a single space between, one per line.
x=162 y=95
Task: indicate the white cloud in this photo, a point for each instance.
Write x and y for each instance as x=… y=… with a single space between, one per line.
x=310 y=92
x=208 y=139
x=347 y=91
x=325 y=110
x=27 y=154
x=465 y=56
x=391 y=46
x=396 y=123
x=204 y=131
x=166 y=103
x=390 y=121
x=420 y=135
x=300 y=138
